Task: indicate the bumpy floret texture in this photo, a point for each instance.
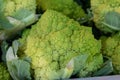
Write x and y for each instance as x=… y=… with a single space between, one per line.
x=100 y=8
x=23 y=42
x=4 y=74
x=67 y=7
x=111 y=49
x=55 y=40
x=12 y=6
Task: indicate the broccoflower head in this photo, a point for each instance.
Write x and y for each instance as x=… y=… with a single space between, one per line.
x=4 y=74
x=67 y=7
x=100 y=8
x=12 y=6
x=111 y=49
x=55 y=40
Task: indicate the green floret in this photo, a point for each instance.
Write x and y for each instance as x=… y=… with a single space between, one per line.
x=100 y=8
x=23 y=39
x=55 y=41
x=23 y=42
x=4 y=74
x=111 y=49
x=12 y=6
x=67 y=7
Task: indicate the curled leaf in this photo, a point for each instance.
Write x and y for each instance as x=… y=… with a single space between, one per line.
x=19 y=69
x=25 y=16
x=4 y=22
x=79 y=62
x=112 y=20
x=68 y=70
x=15 y=46
x=10 y=55
x=106 y=69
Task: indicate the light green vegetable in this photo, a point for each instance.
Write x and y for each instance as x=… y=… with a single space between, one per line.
x=67 y=7
x=55 y=45
x=9 y=7
x=4 y=74
x=15 y=16
x=101 y=9
x=111 y=49
x=19 y=69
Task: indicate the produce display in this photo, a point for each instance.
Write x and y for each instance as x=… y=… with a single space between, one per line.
x=59 y=39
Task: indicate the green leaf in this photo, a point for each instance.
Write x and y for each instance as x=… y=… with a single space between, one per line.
x=19 y=69
x=10 y=54
x=4 y=22
x=15 y=22
x=19 y=20
x=79 y=62
x=106 y=69
x=4 y=48
x=21 y=14
x=25 y=16
x=73 y=66
x=15 y=46
x=68 y=70
x=112 y=20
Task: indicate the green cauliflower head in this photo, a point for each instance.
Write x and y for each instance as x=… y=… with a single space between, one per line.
x=67 y=7
x=4 y=74
x=111 y=49
x=12 y=6
x=100 y=8
x=54 y=41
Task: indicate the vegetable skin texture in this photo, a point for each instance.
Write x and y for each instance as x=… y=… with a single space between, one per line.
x=111 y=49
x=4 y=74
x=68 y=7
x=55 y=40
x=12 y=6
x=100 y=8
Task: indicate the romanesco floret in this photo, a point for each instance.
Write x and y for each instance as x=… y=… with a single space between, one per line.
x=67 y=7
x=22 y=46
x=100 y=8
x=55 y=40
x=111 y=49
x=12 y=6
x=4 y=74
